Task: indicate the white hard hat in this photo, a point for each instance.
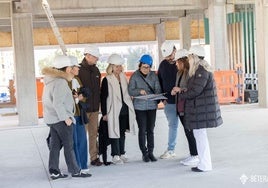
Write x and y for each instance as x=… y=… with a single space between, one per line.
x=181 y=53
x=197 y=50
x=74 y=61
x=116 y=59
x=61 y=61
x=92 y=50
x=167 y=48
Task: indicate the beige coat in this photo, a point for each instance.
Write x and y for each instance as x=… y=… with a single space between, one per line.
x=114 y=105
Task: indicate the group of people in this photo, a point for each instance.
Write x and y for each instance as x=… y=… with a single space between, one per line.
x=73 y=93
x=192 y=96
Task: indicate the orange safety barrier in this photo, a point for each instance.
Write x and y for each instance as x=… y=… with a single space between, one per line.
x=39 y=92
x=40 y=86
x=12 y=91
x=229 y=89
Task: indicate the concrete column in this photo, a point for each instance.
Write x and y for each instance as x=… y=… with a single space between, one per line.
x=22 y=35
x=160 y=37
x=261 y=11
x=185 y=32
x=218 y=34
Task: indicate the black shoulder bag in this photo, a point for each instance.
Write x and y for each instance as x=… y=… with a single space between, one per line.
x=150 y=87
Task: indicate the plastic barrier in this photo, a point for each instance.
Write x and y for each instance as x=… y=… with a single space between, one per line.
x=228 y=85
x=39 y=92
x=12 y=91
x=229 y=88
x=40 y=86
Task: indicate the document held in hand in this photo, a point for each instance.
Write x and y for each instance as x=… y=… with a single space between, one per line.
x=152 y=97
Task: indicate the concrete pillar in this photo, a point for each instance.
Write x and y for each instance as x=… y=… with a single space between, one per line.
x=218 y=34
x=185 y=32
x=22 y=35
x=160 y=37
x=261 y=11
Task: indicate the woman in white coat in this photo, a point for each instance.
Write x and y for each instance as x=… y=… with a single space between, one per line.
x=117 y=107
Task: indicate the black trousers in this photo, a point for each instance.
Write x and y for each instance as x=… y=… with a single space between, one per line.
x=190 y=138
x=118 y=144
x=146 y=124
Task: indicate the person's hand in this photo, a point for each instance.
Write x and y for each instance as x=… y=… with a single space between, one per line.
x=75 y=95
x=80 y=97
x=175 y=90
x=143 y=92
x=105 y=118
x=69 y=122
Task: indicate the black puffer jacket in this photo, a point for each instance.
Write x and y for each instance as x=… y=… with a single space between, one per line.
x=202 y=109
x=90 y=77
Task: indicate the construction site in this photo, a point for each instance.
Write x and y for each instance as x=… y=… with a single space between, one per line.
x=234 y=34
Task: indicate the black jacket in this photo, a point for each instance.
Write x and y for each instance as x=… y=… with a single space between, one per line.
x=202 y=109
x=90 y=77
x=167 y=73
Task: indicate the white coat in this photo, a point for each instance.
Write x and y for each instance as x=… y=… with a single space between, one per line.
x=114 y=105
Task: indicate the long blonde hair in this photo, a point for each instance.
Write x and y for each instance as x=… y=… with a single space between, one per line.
x=109 y=69
x=195 y=61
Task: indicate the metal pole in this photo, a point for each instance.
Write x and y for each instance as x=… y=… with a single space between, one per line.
x=54 y=26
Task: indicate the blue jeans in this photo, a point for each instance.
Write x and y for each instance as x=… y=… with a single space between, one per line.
x=173 y=122
x=80 y=143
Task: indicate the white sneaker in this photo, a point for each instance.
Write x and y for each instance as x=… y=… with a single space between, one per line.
x=168 y=154
x=85 y=171
x=116 y=160
x=190 y=161
x=124 y=158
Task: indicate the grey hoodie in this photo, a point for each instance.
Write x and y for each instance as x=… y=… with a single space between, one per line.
x=58 y=102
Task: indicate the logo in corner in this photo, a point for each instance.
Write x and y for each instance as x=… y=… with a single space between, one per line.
x=243 y=179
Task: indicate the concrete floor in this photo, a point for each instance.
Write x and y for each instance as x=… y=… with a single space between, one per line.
x=239 y=150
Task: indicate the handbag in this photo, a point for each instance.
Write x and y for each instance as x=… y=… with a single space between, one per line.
x=104 y=139
x=180 y=102
x=180 y=105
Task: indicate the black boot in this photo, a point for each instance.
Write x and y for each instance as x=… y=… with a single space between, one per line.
x=145 y=157
x=152 y=157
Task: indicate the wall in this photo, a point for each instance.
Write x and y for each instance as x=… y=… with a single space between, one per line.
x=106 y=34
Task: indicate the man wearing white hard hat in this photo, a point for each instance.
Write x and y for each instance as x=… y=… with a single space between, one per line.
x=167 y=72
x=90 y=77
x=117 y=108
x=201 y=108
x=58 y=108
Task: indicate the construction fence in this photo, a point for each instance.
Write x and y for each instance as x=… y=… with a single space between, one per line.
x=231 y=88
